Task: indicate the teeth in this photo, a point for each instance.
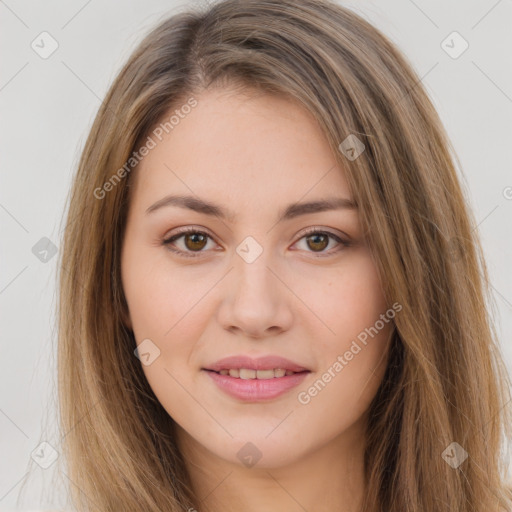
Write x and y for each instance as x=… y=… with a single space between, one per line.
x=265 y=374
x=246 y=373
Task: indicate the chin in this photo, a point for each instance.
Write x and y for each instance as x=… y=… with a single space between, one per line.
x=258 y=452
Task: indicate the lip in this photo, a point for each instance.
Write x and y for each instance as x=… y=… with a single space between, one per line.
x=261 y=363
x=256 y=390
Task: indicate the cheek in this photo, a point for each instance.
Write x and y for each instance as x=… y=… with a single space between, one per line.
x=167 y=309
x=353 y=353
x=163 y=301
x=349 y=301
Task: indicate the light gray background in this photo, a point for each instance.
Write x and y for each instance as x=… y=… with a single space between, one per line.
x=47 y=107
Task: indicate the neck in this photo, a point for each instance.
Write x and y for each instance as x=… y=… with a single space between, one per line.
x=322 y=479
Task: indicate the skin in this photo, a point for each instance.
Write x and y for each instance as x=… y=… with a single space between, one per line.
x=255 y=154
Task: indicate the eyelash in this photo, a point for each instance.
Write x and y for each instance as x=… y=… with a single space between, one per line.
x=191 y=254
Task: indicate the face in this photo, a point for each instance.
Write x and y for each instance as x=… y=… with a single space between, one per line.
x=257 y=278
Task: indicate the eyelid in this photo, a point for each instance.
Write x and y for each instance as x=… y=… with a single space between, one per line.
x=329 y=231
x=189 y=229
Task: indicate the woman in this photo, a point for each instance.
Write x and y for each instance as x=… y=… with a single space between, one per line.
x=273 y=297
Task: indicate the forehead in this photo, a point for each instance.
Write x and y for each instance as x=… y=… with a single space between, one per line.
x=231 y=143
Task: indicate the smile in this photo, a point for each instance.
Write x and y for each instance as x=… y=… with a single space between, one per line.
x=256 y=385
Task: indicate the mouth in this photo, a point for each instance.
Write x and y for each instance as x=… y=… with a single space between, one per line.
x=256 y=380
x=246 y=386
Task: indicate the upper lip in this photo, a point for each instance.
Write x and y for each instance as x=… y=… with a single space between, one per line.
x=269 y=362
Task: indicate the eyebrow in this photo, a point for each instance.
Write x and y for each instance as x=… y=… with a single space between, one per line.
x=290 y=212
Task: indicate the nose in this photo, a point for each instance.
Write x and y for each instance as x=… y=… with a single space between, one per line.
x=256 y=301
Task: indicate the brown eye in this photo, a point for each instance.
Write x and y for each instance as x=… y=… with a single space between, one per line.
x=318 y=241
x=195 y=241
x=190 y=242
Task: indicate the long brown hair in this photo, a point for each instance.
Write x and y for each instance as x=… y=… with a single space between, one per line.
x=445 y=381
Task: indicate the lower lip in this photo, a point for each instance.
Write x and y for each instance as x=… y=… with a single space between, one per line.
x=256 y=390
